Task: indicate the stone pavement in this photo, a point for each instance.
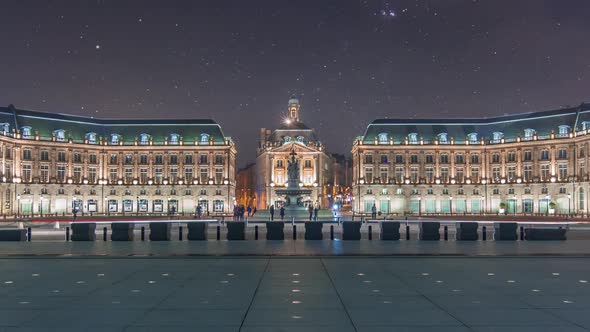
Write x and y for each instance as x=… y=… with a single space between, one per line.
x=295 y=294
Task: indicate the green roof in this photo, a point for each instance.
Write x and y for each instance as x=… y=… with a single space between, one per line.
x=76 y=127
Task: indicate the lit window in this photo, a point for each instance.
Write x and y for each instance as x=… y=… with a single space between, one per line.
x=443 y=138
x=497 y=136
x=528 y=134
x=564 y=130
x=144 y=139
x=60 y=135
x=204 y=138
x=174 y=139
x=413 y=138
x=472 y=137
x=26 y=131
x=585 y=125
x=91 y=138
x=115 y=139
x=382 y=138
x=5 y=127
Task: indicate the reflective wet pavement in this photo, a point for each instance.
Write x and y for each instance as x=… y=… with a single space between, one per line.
x=295 y=294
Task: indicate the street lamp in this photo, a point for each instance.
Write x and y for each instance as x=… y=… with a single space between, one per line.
x=547 y=202
x=451 y=204
x=482 y=207
x=569 y=204
x=41 y=206
x=137 y=212
x=105 y=202
x=419 y=206
x=18 y=205
x=515 y=204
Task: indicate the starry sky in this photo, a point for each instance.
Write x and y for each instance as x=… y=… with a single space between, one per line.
x=348 y=62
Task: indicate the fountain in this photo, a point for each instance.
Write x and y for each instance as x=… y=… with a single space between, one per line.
x=293 y=193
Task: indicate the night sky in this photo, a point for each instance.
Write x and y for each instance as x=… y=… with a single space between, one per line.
x=349 y=62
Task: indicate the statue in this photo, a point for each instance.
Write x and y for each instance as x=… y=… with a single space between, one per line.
x=293 y=169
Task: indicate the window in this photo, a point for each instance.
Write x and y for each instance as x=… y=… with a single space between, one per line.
x=60 y=135
x=383 y=138
x=158 y=175
x=128 y=175
x=113 y=175
x=92 y=175
x=203 y=159
x=115 y=139
x=77 y=174
x=399 y=159
x=218 y=205
x=562 y=154
x=188 y=158
x=511 y=156
x=188 y=192
x=496 y=191
x=384 y=159
x=443 y=138
x=77 y=157
x=8 y=154
x=528 y=173
x=472 y=137
x=399 y=174
x=475 y=173
x=143 y=175
x=497 y=137
x=511 y=173
x=203 y=192
x=61 y=191
x=26 y=132
x=413 y=159
x=44 y=191
x=368 y=159
x=544 y=155
x=527 y=191
x=562 y=190
x=113 y=160
x=383 y=174
x=459 y=174
x=91 y=138
x=61 y=173
x=414 y=174
x=528 y=155
x=144 y=139
x=528 y=134
x=460 y=191
x=429 y=174
x=44 y=174
x=581 y=199
x=173 y=174
x=92 y=159
x=399 y=191
x=459 y=159
x=369 y=175
x=143 y=159
x=564 y=130
x=475 y=191
x=585 y=125
x=204 y=175
x=562 y=172
x=61 y=156
x=445 y=191
x=545 y=173
x=444 y=158
x=307 y=163
x=158 y=159
x=496 y=174
x=510 y=191
x=44 y=155
x=173 y=159
x=384 y=191
x=544 y=190
x=475 y=159
x=174 y=139
x=218 y=175
x=27 y=154
x=582 y=152
x=219 y=160
x=26 y=169
x=429 y=192
x=188 y=174
x=204 y=139
x=429 y=159
x=444 y=174
x=413 y=138
x=496 y=158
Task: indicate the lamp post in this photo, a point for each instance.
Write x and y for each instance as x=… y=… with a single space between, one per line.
x=569 y=204
x=419 y=206
x=41 y=206
x=137 y=212
x=547 y=202
x=515 y=204
x=105 y=202
x=451 y=204
x=482 y=207
x=18 y=205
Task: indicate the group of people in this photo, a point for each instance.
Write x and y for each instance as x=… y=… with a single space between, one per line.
x=240 y=210
x=313 y=210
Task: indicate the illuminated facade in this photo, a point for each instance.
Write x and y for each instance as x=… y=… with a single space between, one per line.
x=532 y=163
x=54 y=163
x=274 y=151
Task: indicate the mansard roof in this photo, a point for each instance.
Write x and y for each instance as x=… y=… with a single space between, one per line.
x=76 y=127
x=511 y=126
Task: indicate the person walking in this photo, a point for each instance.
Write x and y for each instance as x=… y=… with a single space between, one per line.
x=272 y=212
x=249 y=210
x=199 y=211
x=374 y=212
x=310 y=210
x=254 y=211
x=282 y=212
x=316 y=209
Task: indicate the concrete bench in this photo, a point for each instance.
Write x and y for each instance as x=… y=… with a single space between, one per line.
x=160 y=231
x=389 y=230
x=275 y=230
x=197 y=231
x=466 y=231
x=83 y=232
x=313 y=230
x=122 y=231
x=545 y=234
x=429 y=231
x=13 y=234
x=505 y=231
x=351 y=230
x=236 y=230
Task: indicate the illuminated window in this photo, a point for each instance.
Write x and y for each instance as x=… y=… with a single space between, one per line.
x=174 y=139
x=443 y=138
x=528 y=134
x=60 y=135
x=144 y=139
x=115 y=139
x=204 y=138
x=382 y=138
x=564 y=130
x=91 y=138
x=26 y=132
x=413 y=138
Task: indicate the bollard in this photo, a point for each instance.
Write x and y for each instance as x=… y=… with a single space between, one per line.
x=370 y=232
x=331 y=232
x=104 y=234
x=446 y=234
x=408 y=232
x=29 y=234
x=142 y=233
x=483 y=233
x=218 y=232
x=68 y=233
x=521 y=233
x=256 y=232
x=294 y=232
x=180 y=233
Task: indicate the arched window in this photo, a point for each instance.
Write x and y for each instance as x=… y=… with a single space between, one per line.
x=581 y=197
x=144 y=139
x=472 y=137
x=564 y=130
x=26 y=132
x=115 y=139
x=204 y=139
x=174 y=139
x=528 y=134
x=60 y=135
x=497 y=136
x=91 y=138
x=382 y=138
x=413 y=138
x=443 y=138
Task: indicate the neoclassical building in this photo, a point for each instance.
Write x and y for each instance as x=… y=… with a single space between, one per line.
x=54 y=163
x=531 y=163
x=274 y=149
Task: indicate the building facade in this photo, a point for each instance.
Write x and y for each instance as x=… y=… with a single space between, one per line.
x=532 y=163
x=55 y=163
x=274 y=150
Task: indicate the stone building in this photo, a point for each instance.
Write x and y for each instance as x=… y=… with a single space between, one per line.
x=274 y=149
x=531 y=163
x=55 y=163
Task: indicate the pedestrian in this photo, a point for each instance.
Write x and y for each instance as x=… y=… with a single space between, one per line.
x=249 y=210
x=199 y=212
x=242 y=212
x=310 y=210
x=316 y=209
x=75 y=213
x=254 y=211
x=374 y=212
x=236 y=211
x=282 y=212
x=272 y=212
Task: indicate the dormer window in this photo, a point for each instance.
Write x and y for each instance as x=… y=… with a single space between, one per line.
x=443 y=138
x=497 y=136
x=413 y=138
x=528 y=134
x=27 y=132
x=287 y=139
x=204 y=139
x=91 y=138
x=585 y=125
x=564 y=130
x=60 y=135
x=5 y=128
x=174 y=139
x=115 y=139
x=382 y=138
x=300 y=139
x=144 y=139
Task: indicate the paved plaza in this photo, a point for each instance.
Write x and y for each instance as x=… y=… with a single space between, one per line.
x=295 y=294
